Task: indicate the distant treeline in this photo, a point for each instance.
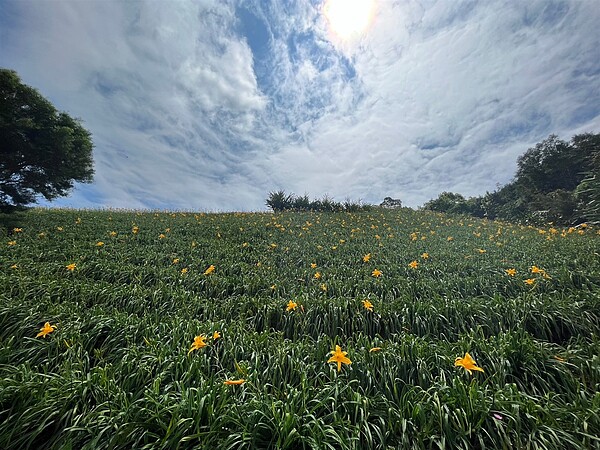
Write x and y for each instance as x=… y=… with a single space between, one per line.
x=556 y=181
x=280 y=201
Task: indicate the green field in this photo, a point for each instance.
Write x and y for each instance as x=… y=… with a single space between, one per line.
x=119 y=370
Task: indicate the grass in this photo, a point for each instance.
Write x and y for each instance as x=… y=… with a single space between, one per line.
x=117 y=371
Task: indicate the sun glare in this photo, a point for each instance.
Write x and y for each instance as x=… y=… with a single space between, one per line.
x=349 y=17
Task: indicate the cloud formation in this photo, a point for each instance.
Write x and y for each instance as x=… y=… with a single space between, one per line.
x=210 y=105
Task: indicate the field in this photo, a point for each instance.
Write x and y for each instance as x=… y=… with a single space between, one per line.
x=405 y=293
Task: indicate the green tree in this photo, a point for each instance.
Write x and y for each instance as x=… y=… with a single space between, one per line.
x=42 y=151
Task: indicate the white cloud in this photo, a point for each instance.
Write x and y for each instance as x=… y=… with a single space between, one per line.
x=436 y=96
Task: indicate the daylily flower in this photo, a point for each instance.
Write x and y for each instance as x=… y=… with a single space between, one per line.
x=99 y=244
x=113 y=233
x=511 y=272
x=292 y=305
x=234 y=382
x=529 y=281
x=135 y=230
x=46 y=329
x=317 y=275
x=339 y=357
x=367 y=304
x=12 y=242
x=161 y=236
x=468 y=363
x=198 y=343
x=313 y=265
x=71 y=266
x=536 y=269
x=377 y=273
x=375 y=349
x=17 y=230
x=425 y=255
x=184 y=270
x=367 y=257
x=216 y=335
x=413 y=264
x=210 y=270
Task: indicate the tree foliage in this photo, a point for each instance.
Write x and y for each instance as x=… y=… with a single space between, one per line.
x=556 y=181
x=42 y=151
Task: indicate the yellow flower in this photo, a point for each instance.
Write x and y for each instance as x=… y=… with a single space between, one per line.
x=339 y=357
x=480 y=250
x=313 y=265
x=113 y=233
x=324 y=287
x=71 y=266
x=511 y=272
x=216 y=335
x=17 y=230
x=184 y=270
x=210 y=270
x=292 y=305
x=135 y=230
x=413 y=265
x=12 y=242
x=529 y=281
x=245 y=244
x=377 y=273
x=59 y=228
x=536 y=269
x=375 y=349
x=367 y=257
x=450 y=238
x=318 y=275
x=46 y=329
x=14 y=266
x=99 y=244
x=198 y=343
x=468 y=363
x=175 y=261
x=161 y=236
x=425 y=255
x=234 y=382
x=367 y=304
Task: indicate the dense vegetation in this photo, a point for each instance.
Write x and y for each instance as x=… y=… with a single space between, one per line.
x=556 y=181
x=280 y=201
x=122 y=304
x=42 y=151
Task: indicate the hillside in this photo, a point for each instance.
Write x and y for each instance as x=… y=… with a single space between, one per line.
x=405 y=293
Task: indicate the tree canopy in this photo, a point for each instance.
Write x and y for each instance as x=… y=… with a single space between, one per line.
x=42 y=151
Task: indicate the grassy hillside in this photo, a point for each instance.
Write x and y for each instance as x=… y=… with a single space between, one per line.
x=128 y=293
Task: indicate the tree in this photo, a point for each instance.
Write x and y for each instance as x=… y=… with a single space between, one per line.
x=42 y=151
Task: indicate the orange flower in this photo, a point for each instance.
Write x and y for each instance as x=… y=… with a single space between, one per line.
x=367 y=257
x=339 y=357
x=425 y=255
x=71 y=266
x=377 y=273
x=216 y=335
x=234 y=382
x=511 y=272
x=198 y=343
x=313 y=265
x=367 y=304
x=413 y=265
x=46 y=329
x=375 y=349
x=529 y=281
x=317 y=275
x=468 y=363
x=291 y=306
x=210 y=270
x=99 y=244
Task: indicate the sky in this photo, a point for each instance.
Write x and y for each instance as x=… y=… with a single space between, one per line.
x=209 y=105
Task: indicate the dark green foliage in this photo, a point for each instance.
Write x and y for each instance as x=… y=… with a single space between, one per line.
x=556 y=181
x=42 y=151
x=279 y=201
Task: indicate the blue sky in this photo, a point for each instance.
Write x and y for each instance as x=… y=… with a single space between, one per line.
x=209 y=105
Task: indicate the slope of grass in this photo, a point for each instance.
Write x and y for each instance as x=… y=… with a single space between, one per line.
x=117 y=371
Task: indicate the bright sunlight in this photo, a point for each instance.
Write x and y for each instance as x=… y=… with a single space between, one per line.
x=349 y=17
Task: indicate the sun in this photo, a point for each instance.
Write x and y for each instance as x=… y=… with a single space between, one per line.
x=348 y=18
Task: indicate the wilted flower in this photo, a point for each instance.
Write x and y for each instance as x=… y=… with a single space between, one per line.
x=234 y=382
x=12 y=242
x=45 y=330
x=339 y=357
x=375 y=349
